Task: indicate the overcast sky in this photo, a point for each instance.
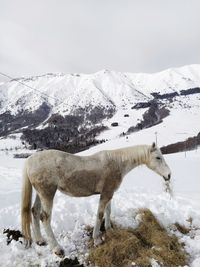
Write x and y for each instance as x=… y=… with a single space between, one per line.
x=41 y=36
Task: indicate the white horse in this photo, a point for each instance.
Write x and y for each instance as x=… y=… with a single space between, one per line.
x=79 y=176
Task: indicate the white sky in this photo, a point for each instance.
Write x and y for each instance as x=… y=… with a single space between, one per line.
x=39 y=36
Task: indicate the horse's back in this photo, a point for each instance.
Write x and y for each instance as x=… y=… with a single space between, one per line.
x=63 y=163
x=49 y=156
x=47 y=163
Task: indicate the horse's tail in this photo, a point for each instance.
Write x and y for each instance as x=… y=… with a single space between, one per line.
x=26 y=207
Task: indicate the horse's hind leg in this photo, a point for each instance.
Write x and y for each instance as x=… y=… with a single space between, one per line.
x=107 y=216
x=47 y=204
x=36 y=222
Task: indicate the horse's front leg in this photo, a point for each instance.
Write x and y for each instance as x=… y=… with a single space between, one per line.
x=104 y=200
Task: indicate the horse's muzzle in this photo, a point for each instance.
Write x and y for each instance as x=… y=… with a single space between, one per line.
x=167 y=178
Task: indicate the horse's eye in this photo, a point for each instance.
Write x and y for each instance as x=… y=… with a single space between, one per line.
x=158 y=158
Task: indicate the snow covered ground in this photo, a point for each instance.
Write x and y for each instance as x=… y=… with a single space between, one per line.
x=178 y=126
x=140 y=188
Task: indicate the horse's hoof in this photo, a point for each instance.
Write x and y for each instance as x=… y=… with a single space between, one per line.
x=108 y=227
x=27 y=243
x=59 y=251
x=41 y=243
x=98 y=241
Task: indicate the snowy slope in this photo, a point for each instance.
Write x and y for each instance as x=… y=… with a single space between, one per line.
x=170 y=80
x=113 y=92
x=140 y=188
x=180 y=125
x=66 y=92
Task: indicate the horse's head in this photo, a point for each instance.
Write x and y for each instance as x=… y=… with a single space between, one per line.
x=157 y=163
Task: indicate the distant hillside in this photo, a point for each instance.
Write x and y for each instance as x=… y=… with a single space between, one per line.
x=70 y=110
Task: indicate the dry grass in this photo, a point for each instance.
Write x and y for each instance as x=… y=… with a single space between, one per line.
x=149 y=240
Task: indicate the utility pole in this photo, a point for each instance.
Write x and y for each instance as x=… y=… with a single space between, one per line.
x=156 y=136
x=185 y=144
x=196 y=144
x=185 y=148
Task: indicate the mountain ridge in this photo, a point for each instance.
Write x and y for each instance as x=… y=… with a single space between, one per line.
x=103 y=88
x=79 y=105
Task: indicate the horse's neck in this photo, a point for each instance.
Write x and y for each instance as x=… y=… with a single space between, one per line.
x=131 y=157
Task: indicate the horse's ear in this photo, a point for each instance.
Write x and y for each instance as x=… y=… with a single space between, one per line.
x=153 y=147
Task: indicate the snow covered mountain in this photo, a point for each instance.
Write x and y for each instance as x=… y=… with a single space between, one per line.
x=64 y=93
x=97 y=99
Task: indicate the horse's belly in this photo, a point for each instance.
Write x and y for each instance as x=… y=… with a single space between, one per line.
x=81 y=184
x=81 y=193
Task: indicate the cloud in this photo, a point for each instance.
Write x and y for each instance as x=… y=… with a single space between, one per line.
x=86 y=36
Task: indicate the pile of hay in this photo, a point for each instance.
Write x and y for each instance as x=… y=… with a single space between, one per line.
x=123 y=247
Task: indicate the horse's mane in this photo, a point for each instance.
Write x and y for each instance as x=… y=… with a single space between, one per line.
x=138 y=154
